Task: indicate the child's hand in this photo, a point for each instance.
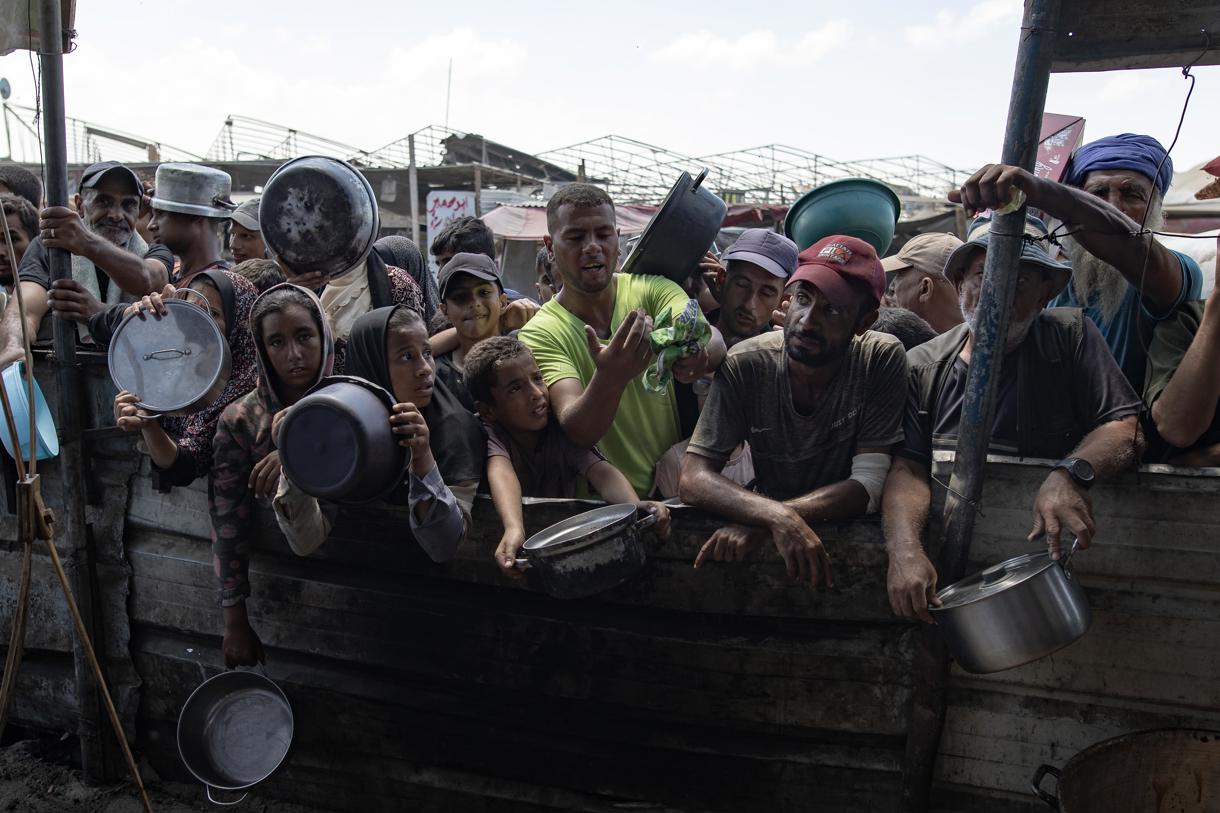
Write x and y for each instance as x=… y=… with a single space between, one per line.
x=412 y=430
x=128 y=416
x=517 y=314
x=661 y=511
x=265 y=478
x=506 y=552
x=275 y=425
x=153 y=303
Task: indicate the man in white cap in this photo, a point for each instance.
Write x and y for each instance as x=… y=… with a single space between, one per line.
x=915 y=280
x=110 y=261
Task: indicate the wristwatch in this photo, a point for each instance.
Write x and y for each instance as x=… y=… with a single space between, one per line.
x=1079 y=469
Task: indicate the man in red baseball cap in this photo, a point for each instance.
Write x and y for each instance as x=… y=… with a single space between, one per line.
x=821 y=406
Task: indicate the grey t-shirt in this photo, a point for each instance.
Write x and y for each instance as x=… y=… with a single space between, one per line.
x=793 y=453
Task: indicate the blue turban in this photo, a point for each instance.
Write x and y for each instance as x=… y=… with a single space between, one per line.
x=1139 y=153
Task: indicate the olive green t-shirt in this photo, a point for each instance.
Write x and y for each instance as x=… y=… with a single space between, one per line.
x=795 y=454
x=646 y=423
x=1170 y=342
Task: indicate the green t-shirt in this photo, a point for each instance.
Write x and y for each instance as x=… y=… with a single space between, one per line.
x=646 y=424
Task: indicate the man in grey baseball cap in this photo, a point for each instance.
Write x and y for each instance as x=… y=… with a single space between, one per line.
x=111 y=263
x=757 y=268
x=245 y=235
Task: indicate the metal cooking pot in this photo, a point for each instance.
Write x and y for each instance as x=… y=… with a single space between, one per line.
x=176 y=364
x=1012 y=613
x=336 y=443
x=318 y=214
x=588 y=553
x=680 y=233
x=234 y=731
x=1174 y=770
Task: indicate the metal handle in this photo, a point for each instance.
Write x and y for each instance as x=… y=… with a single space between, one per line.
x=648 y=521
x=1052 y=801
x=216 y=801
x=185 y=292
x=1067 y=560
x=698 y=180
x=522 y=564
x=167 y=353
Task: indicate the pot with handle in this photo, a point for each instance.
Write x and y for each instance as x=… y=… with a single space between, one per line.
x=1143 y=772
x=1012 y=613
x=680 y=233
x=235 y=730
x=177 y=363
x=588 y=553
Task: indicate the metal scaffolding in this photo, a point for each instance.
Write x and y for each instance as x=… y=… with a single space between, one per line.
x=245 y=139
x=87 y=142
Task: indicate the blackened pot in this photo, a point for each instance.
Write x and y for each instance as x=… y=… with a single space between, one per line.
x=680 y=233
x=588 y=553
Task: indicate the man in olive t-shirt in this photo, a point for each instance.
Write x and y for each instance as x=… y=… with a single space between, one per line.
x=820 y=405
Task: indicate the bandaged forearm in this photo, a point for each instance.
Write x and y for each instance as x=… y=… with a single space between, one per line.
x=870 y=471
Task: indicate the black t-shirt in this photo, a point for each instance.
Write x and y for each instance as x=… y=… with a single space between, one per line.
x=1101 y=394
x=454 y=379
x=36 y=265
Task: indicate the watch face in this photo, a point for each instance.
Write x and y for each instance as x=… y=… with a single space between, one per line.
x=1082 y=470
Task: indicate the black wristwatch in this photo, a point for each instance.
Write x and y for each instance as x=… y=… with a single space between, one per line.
x=1079 y=469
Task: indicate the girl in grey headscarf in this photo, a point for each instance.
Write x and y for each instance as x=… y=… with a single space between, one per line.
x=401 y=252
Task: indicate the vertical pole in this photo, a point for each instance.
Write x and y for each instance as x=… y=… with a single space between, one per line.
x=8 y=135
x=413 y=187
x=71 y=515
x=478 y=191
x=1030 y=78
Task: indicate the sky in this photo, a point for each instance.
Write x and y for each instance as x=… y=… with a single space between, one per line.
x=848 y=80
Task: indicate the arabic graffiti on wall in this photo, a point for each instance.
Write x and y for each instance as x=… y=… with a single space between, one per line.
x=443 y=206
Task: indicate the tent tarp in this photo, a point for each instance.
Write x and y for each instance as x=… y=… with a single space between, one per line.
x=529 y=222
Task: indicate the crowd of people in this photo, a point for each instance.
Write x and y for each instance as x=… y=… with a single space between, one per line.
x=771 y=386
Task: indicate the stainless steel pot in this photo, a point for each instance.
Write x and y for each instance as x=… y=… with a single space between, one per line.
x=1012 y=613
x=234 y=731
x=680 y=233
x=588 y=553
x=1174 y=770
x=176 y=364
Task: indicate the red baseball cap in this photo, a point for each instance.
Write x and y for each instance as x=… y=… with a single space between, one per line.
x=833 y=262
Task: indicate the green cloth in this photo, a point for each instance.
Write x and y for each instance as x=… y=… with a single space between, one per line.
x=646 y=424
x=673 y=338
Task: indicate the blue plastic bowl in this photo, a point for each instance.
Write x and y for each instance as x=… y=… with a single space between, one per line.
x=856 y=207
x=44 y=423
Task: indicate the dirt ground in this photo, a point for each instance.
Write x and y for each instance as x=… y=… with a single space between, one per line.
x=31 y=782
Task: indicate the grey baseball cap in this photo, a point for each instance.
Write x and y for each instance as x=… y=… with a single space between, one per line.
x=246 y=215
x=95 y=172
x=767 y=249
x=464 y=262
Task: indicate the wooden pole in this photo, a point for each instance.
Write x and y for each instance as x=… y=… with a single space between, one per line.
x=1028 y=98
x=478 y=191
x=413 y=188
x=71 y=463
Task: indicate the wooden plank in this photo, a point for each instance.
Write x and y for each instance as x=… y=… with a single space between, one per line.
x=1117 y=34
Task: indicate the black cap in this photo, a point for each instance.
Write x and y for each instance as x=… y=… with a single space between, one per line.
x=95 y=172
x=476 y=265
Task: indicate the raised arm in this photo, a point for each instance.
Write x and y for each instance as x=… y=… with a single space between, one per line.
x=1107 y=233
x=1186 y=407
x=135 y=275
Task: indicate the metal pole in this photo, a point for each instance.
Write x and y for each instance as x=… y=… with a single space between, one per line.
x=413 y=186
x=478 y=191
x=1030 y=78
x=8 y=135
x=71 y=515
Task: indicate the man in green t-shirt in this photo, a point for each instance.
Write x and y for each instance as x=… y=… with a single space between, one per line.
x=821 y=406
x=591 y=340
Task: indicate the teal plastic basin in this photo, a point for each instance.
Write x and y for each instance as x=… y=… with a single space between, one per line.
x=44 y=424
x=857 y=207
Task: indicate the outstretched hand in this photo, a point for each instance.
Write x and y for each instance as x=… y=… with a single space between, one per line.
x=992 y=187
x=629 y=352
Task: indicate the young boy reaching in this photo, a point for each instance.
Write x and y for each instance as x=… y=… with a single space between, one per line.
x=528 y=453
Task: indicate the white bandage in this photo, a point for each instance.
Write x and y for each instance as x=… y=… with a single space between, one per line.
x=870 y=470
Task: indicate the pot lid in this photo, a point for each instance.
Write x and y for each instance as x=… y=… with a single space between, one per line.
x=170 y=362
x=995 y=579
x=577 y=528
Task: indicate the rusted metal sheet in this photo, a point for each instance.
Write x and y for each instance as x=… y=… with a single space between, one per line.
x=1104 y=35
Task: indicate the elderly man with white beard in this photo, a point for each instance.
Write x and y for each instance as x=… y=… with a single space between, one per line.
x=1061 y=396
x=1124 y=279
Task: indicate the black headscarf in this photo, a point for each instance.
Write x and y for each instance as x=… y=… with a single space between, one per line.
x=401 y=252
x=457 y=439
x=379 y=282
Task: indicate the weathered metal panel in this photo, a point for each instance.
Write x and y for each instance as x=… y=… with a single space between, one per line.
x=1101 y=35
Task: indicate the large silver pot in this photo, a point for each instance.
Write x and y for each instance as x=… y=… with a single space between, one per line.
x=1012 y=613
x=1174 y=770
x=588 y=553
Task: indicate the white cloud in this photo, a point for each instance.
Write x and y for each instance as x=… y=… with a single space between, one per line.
x=949 y=29
x=1126 y=86
x=754 y=49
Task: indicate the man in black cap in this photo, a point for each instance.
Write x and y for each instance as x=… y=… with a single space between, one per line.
x=110 y=262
